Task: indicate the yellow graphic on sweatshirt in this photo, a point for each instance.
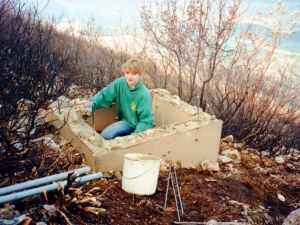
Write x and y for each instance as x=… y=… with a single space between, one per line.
x=133 y=106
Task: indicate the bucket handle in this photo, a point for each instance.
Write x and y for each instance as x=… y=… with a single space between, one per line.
x=129 y=178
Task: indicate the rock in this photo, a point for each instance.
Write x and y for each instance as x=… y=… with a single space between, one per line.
x=209 y=166
x=245 y=206
x=61 y=102
x=8 y=211
x=279 y=159
x=165 y=165
x=230 y=155
x=51 y=209
x=234 y=202
x=224 y=159
x=74 y=91
x=176 y=100
x=265 y=153
x=238 y=145
x=118 y=175
x=235 y=156
x=252 y=150
x=261 y=207
x=48 y=141
x=267 y=218
x=160 y=91
x=210 y=179
x=293 y=218
x=281 y=197
x=228 y=138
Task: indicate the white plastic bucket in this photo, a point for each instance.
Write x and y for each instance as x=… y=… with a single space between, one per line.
x=140 y=173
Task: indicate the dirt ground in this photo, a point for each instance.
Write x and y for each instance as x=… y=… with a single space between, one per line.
x=255 y=191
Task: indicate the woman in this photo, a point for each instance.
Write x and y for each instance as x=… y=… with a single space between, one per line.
x=133 y=102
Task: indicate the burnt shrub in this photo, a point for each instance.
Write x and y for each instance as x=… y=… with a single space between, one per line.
x=33 y=73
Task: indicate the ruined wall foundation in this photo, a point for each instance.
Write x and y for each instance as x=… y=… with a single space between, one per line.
x=182 y=133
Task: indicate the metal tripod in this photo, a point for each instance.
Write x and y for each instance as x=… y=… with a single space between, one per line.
x=176 y=191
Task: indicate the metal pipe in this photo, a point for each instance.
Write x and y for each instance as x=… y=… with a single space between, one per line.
x=49 y=187
x=44 y=180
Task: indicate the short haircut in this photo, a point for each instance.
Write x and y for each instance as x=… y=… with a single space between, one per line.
x=133 y=65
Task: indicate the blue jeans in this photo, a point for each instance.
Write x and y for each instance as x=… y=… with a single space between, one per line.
x=117 y=129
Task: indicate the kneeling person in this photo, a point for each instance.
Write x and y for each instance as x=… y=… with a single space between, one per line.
x=133 y=102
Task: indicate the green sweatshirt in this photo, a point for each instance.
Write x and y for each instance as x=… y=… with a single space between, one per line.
x=132 y=105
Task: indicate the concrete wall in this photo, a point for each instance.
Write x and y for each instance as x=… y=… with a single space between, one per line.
x=103 y=118
x=189 y=148
x=166 y=113
x=73 y=137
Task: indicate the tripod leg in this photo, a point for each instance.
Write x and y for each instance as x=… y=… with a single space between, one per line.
x=175 y=196
x=167 y=190
x=178 y=191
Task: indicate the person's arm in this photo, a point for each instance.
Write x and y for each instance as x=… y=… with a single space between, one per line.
x=144 y=113
x=105 y=97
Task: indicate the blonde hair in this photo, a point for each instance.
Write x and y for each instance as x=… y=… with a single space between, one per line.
x=133 y=65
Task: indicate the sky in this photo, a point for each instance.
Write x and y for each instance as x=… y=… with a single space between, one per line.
x=111 y=14
x=108 y=14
